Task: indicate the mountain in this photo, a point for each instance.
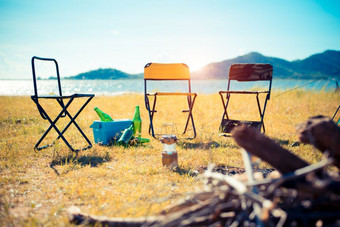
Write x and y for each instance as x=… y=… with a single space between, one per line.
x=106 y=74
x=318 y=66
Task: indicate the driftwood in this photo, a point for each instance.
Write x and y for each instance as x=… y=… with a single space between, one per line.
x=266 y=149
x=322 y=133
x=226 y=201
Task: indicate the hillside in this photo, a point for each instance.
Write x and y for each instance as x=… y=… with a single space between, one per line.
x=318 y=66
x=105 y=74
x=323 y=65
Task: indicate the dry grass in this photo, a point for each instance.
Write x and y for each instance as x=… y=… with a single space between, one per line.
x=36 y=187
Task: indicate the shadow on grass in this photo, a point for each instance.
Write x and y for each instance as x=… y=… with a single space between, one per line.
x=281 y=142
x=287 y=142
x=93 y=161
x=182 y=171
x=205 y=146
x=223 y=169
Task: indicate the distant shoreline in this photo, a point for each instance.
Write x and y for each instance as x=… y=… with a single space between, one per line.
x=127 y=86
x=276 y=78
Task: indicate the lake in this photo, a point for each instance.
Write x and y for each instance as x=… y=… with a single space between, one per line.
x=116 y=87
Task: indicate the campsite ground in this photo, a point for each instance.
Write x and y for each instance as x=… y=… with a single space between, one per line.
x=37 y=187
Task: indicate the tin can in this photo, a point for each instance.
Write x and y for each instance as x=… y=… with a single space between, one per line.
x=170 y=160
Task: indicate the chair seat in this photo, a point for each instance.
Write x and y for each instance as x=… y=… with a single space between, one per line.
x=63 y=97
x=171 y=93
x=227 y=125
x=242 y=92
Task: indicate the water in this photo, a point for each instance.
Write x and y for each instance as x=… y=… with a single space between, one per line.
x=116 y=87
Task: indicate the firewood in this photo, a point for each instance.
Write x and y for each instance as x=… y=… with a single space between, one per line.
x=227 y=201
x=77 y=217
x=263 y=147
x=323 y=133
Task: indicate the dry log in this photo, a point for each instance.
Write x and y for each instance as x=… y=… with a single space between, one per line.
x=203 y=213
x=323 y=133
x=258 y=144
x=77 y=217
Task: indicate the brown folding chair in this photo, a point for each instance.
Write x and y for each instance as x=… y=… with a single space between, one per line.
x=333 y=118
x=168 y=72
x=64 y=102
x=246 y=73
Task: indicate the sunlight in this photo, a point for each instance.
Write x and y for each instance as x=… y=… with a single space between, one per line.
x=196 y=66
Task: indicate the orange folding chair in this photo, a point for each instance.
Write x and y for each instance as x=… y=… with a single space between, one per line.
x=246 y=73
x=168 y=72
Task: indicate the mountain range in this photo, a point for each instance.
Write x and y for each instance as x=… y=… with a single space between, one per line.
x=318 y=66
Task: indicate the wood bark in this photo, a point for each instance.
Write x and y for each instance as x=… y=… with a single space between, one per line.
x=323 y=133
x=261 y=146
x=204 y=212
x=79 y=218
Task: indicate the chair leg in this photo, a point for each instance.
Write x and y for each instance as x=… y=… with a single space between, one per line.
x=52 y=125
x=262 y=111
x=190 y=116
x=64 y=112
x=225 y=104
x=72 y=120
x=193 y=127
x=224 y=107
x=151 y=113
x=189 y=111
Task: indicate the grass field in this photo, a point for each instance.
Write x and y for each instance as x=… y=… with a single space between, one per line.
x=36 y=187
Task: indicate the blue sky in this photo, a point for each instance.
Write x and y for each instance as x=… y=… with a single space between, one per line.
x=85 y=35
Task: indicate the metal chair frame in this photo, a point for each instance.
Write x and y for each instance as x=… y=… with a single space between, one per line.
x=191 y=97
x=333 y=118
x=63 y=113
x=246 y=73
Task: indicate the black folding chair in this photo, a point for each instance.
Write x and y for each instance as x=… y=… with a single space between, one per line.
x=64 y=102
x=246 y=73
x=168 y=72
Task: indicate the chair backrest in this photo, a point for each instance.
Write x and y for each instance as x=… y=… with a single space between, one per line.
x=168 y=71
x=161 y=71
x=250 y=72
x=35 y=77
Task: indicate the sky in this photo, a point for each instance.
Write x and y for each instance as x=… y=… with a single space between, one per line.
x=85 y=35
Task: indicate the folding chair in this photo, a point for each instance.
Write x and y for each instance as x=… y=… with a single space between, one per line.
x=167 y=72
x=333 y=118
x=246 y=73
x=64 y=102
